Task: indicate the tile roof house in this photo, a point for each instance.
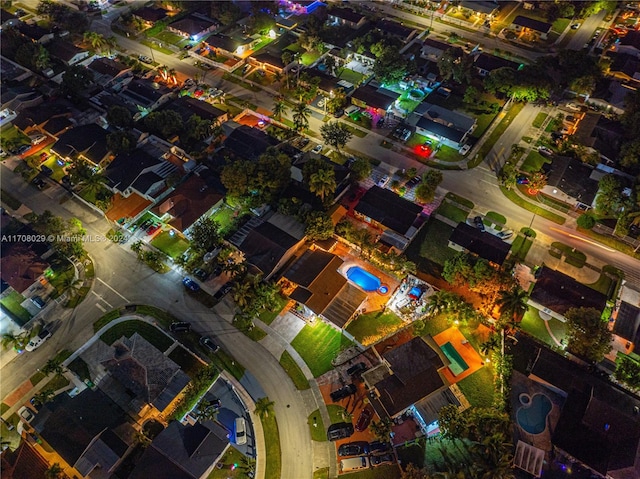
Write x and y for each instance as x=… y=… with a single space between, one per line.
x=187 y=106
x=555 y=293
x=190 y=201
x=525 y=23
x=107 y=72
x=87 y=431
x=322 y=290
x=483 y=7
x=230 y=46
x=398 y=218
x=413 y=375
x=183 y=452
x=271 y=62
x=23 y=463
x=88 y=142
x=21 y=263
x=485 y=245
x=346 y=17
x=36 y=33
x=268 y=242
x=194 y=26
x=146 y=96
x=578 y=181
x=450 y=127
x=67 y=52
x=485 y=63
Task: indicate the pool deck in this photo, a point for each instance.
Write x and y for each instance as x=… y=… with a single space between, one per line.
x=465 y=350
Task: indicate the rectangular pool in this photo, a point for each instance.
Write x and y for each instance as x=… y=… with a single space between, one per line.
x=458 y=365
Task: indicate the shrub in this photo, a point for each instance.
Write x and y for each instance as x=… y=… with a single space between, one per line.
x=586 y=221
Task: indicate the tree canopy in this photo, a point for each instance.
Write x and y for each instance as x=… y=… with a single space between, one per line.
x=426 y=191
x=335 y=134
x=205 y=235
x=588 y=335
x=390 y=67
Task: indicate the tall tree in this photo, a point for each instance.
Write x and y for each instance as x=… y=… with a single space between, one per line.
x=426 y=191
x=588 y=334
x=319 y=226
x=513 y=303
x=390 y=67
x=119 y=117
x=205 y=235
x=301 y=114
x=360 y=169
x=323 y=183
x=279 y=108
x=381 y=429
x=335 y=134
x=75 y=81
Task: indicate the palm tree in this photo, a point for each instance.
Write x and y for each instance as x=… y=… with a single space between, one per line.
x=537 y=181
x=490 y=345
x=71 y=284
x=263 y=407
x=381 y=429
x=15 y=341
x=241 y=293
x=513 y=303
x=137 y=247
x=323 y=183
x=279 y=107
x=53 y=366
x=247 y=466
x=43 y=397
x=95 y=39
x=54 y=471
x=42 y=61
x=301 y=113
x=207 y=411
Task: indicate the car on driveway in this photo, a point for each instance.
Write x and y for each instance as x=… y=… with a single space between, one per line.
x=339 y=430
x=145 y=59
x=465 y=149
x=201 y=274
x=38 y=340
x=46 y=170
x=208 y=343
x=522 y=180
x=416 y=180
x=379 y=446
x=38 y=183
x=180 y=327
x=354 y=448
x=223 y=291
x=37 y=139
x=504 y=234
x=382 y=182
x=153 y=228
x=478 y=223
x=23 y=149
x=343 y=392
x=544 y=150
x=381 y=460
x=26 y=414
x=356 y=369
x=240 y=431
x=317 y=149
x=364 y=419
x=191 y=284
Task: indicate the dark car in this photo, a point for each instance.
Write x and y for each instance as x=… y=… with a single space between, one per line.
x=38 y=183
x=304 y=142
x=217 y=271
x=223 y=291
x=414 y=181
x=522 y=180
x=201 y=274
x=338 y=113
x=342 y=393
x=180 y=327
x=145 y=224
x=46 y=170
x=379 y=446
x=191 y=284
x=364 y=419
x=380 y=460
x=354 y=448
x=208 y=343
x=23 y=149
x=477 y=221
x=339 y=431
x=356 y=369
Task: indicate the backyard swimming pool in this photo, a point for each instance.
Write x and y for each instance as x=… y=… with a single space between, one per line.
x=532 y=416
x=367 y=281
x=458 y=365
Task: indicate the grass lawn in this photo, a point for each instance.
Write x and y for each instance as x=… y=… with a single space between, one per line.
x=293 y=370
x=446 y=153
x=307 y=58
x=435 y=246
x=572 y=256
x=11 y=304
x=58 y=171
x=483 y=122
x=37 y=377
x=267 y=317
x=10 y=200
x=255 y=333
x=105 y=319
x=337 y=413
x=603 y=284
x=357 y=131
x=478 y=388
x=451 y=211
x=460 y=200
x=146 y=330
x=168 y=37
x=372 y=327
x=57 y=382
x=318 y=431
x=318 y=345
x=560 y=25
x=520 y=247
x=415 y=140
x=272 y=442
x=539 y=120
x=187 y=361
x=533 y=324
x=496 y=217
x=515 y=198
x=171 y=245
x=390 y=471
x=350 y=76
x=533 y=162
x=225 y=217
x=231 y=457
x=321 y=473
x=435 y=454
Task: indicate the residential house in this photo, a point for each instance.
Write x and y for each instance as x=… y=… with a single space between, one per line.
x=187 y=106
x=248 y=143
x=67 y=52
x=338 y=16
x=86 y=142
x=480 y=243
x=626 y=67
x=572 y=181
x=231 y=46
x=7 y=116
x=23 y=463
x=268 y=242
x=89 y=431
x=485 y=63
x=399 y=219
x=526 y=24
x=601 y=134
x=190 y=201
x=36 y=33
x=8 y=19
x=23 y=263
x=194 y=26
x=146 y=96
x=57 y=126
x=611 y=93
x=626 y=328
x=319 y=289
x=268 y=61
x=629 y=44
x=110 y=73
x=183 y=452
x=554 y=293
x=408 y=374
x=19 y=97
x=149 y=15
x=33 y=119
x=329 y=83
x=342 y=174
x=452 y=128
x=380 y=100
x=395 y=29
x=482 y=8
x=303 y=7
x=433 y=49
x=12 y=72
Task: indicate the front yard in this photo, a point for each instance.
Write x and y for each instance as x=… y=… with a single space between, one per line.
x=11 y=304
x=533 y=324
x=319 y=344
x=372 y=327
x=170 y=244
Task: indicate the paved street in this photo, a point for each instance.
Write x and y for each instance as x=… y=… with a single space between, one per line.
x=585 y=32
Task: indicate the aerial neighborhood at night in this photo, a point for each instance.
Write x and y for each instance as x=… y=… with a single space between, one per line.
x=314 y=239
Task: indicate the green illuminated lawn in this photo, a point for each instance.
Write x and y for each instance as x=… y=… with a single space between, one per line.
x=318 y=345
x=172 y=246
x=478 y=387
x=293 y=370
x=11 y=303
x=374 y=325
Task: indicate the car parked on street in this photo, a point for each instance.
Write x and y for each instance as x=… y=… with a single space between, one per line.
x=38 y=340
x=38 y=183
x=545 y=151
x=340 y=430
x=343 y=392
x=145 y=59
x=317 y=149
x=354 y=448
x=180 y=327
x=191 y=284
x=201 y=274
x=505 y=234
x=465 y=149
x=208 y=343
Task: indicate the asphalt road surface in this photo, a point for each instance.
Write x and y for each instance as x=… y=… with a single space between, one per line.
x=584 y=34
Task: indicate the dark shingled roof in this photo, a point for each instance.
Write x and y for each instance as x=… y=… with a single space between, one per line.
x=269 y=58
x=64 y=50
x=57 y=125
x=144 y=92
x=150 y=14
x=265 y=246
x=187 y=106
x=249 y=143
x=572 y=177
x=536 y=25
x=394 y=28
x=375 y=97
x=21 y=262
x=488 y=62
x=106 y=66
x=126 y=167
x=632 y=38
x=90 y=140
x=415 y=366
x=223 y=42
x=559 y=293
x=192 y=25
x=627 y=323
x=37 y=115
x=346 y=14
x=482 y=7
x=388 y=209
x=484 y=244
x=439 y=129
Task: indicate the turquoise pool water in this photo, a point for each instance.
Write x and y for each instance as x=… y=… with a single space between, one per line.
x=364 y=279
x=533 y=417
x=458 y=365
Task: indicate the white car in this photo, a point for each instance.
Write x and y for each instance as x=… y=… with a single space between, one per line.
x=382 y=182
x=241 y=431
x=37 y=341
x=465 y=149
x=544 y=150
x=145 y=59
x=572 y=106
x=26 y=414
x=317 y=149
x=322 y=102
x=37 y=139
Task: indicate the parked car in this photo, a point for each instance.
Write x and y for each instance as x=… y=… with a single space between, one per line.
x=575 y=26
x=38 y=183
x=46 y=170
x=145 y=59
x=350 y=110
x=145 y=224
x=223 y=291
x=364 y=419
x=201 y=274
x=504 y=234
x=208 y=343
x=317 y=149
x=544 y=150
x=153 y=228
x=477 y=222
x=379 y=446
x=381 y=460
x=191 y=284
x=338 y=113
x=240 y=431
x=343 y=392
x=340 y=430
x=382 y=182
x=356 y=369
x=354 y=448
x=304 y=142
x=23 y=149
x=26 y=414
x=217 y=271
x=573 y=106
x=38 y=340
x=37 y=139
x=465 y=149
x=416 y=180
x=180 y=327
x=322 y=102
